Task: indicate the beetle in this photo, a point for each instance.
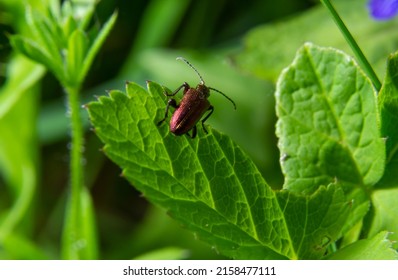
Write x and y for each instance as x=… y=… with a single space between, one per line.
x=194 y=104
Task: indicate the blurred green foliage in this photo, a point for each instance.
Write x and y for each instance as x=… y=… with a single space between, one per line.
x=147 y=37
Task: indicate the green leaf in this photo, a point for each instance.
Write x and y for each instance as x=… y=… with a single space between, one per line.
x=388 y=104
x=269 y=48
x=36 y=53
x=69 y=26
x=384 y=201
x=328 y=122
x=96 y=44
x=208 y=183
x=376 y=248
x=81 y=11
x=314 y=221
x=386 y=213
x=45 y=34
x=77 y=48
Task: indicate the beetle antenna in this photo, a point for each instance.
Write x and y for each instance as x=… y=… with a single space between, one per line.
x=224 y=96
x=190 y=65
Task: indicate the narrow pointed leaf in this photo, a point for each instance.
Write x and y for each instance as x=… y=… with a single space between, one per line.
x=45 y=32
x=77 y=48
x=97 y=43
x=33 y=51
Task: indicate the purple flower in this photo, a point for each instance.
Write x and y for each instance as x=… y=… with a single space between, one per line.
x=383 y=9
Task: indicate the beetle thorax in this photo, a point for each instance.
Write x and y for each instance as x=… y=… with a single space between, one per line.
x=203 y=90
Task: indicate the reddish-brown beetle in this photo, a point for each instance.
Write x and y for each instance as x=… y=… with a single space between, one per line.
x=192 y=107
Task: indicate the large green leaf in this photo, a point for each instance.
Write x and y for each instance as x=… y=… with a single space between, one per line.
x=328 y=122
x=269 y=48
x=209 y=184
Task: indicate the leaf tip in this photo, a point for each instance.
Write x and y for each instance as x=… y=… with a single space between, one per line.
x=103 y=149
x=122 y=174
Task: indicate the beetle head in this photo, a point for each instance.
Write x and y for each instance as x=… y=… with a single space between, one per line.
x=204 y=90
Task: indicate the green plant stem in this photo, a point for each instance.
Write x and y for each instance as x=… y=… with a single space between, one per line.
x=70 y=234
x=363 y=62
x=76 y=164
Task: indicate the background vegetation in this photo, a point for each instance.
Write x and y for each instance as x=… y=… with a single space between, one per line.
x=218 y=37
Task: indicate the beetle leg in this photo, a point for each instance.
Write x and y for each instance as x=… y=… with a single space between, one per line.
x=193 y=132
x=211 y=109
x=172 y=103
x=184 y=85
